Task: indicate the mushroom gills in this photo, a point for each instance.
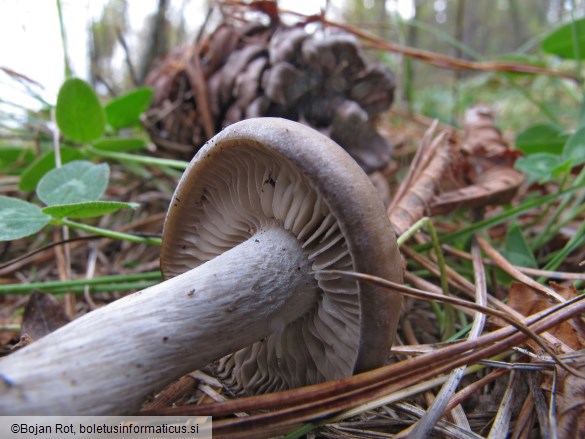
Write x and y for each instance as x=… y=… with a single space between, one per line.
x=252 y=191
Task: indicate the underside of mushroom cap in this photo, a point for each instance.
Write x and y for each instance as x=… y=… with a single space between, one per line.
x=266 y=171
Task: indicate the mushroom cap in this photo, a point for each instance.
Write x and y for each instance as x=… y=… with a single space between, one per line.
x=265 y=171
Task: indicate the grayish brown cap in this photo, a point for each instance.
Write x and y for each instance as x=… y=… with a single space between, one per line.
x=265 y=172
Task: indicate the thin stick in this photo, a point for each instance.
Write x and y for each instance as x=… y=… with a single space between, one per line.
x=309 y=403
x=425 y=295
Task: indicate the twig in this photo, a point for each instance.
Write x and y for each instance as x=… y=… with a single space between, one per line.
x=313 y=402
x=502 y=263
x=45 y=248
x=501 y=423
x=423 y=427
x=173 y=393
x=127 y=58
x=199 y=85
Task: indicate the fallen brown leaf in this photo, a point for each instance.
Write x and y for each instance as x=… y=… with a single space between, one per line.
x=570 y=404
x=42 y=315
x=527 y=301
x=496 y=186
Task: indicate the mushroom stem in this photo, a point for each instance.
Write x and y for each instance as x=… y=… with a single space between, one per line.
x=109 y=360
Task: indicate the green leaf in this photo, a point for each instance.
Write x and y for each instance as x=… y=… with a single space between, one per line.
x=563 y=168
x=125 y=110
x=561 y=42
x=19 y=218
x=75 y=182
x=541 y=138
x=12 y=153
x=582 y=113
x=539 y=166
x=121 y=144
x=575 y=148
x=79 y=114
x=34 y=172
x=88 y=209
x=518 y=251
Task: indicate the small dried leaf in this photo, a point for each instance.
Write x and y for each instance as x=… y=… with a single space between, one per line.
x=25 y=340
x=570 y=292
x=42 y=315
x=527 y=301
x=570 y=404
x=497 y=185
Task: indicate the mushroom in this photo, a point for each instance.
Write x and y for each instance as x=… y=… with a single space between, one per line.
x=263 y=209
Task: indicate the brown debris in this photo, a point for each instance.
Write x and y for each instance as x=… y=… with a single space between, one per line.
x=570 y=404
x=487 y=166
x=448 y=174
x=527 y=301
x=42 y=315
x=24 y=340
x=422 y=183
x=570 y=389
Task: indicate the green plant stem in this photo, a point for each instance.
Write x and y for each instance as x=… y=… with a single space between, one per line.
x=554 y=225
x=106 y=233
x=448 y=326
x=575 y=36
x=573 y=243
x=558 y=226
x=446 y=37
x=409 y=233
x=114 y=280
x=117 y=287
x=541 y=106
x=577 y=209
x=498 y=219
x=575 y=95
x=64 y=41
x=459 y=334
x=136 y=158
x=551 y=228
x=530 y=45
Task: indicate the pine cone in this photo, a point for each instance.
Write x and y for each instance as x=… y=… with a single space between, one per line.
x=322 y=79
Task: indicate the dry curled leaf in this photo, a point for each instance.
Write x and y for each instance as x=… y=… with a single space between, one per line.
x=487 y=166
x=422 y=183
x=474 y=172
x=497 y=185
